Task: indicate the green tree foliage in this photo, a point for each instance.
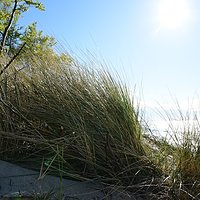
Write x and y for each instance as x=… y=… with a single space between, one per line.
x=35 y=40
x=12 y=36
x=15 y=38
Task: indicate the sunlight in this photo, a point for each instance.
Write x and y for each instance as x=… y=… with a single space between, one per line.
x=172 y=13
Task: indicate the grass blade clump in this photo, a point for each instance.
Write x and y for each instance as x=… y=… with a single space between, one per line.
x=187 y=173
x=75 y=117
x=178 y=154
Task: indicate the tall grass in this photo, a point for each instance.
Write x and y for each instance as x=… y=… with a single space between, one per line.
x=177 y=153
x=186 y=138
x=66 y=119
x=71 y=120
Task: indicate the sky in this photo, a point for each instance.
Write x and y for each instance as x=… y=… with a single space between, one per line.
x=153 y=44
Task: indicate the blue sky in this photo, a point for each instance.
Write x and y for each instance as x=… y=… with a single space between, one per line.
x=162 y=61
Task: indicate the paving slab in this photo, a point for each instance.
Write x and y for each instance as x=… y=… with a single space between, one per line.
x=16 y=180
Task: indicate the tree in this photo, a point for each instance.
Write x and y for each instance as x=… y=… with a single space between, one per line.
x=35 y=40
x=12 y=36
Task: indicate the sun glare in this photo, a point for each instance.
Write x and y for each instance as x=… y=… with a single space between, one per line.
x=172 y=13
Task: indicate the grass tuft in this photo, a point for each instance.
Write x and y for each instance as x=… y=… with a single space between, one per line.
x=72 y=121
x=76 y=121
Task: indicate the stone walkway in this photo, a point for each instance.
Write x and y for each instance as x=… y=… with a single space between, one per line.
x=15 y=181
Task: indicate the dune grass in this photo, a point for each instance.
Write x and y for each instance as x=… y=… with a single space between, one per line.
x=185 y=138
x=177 y=153
x=72 y=121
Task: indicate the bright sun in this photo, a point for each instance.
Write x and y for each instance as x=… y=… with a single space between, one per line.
x=172 y=13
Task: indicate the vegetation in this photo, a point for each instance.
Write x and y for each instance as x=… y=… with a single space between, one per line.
x=63 y=118
x=12 y=35
x=80 y=123
x=16 y=39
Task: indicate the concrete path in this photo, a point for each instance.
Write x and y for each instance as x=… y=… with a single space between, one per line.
x=15 y=180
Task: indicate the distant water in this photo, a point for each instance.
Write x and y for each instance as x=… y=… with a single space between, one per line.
x=176 y=131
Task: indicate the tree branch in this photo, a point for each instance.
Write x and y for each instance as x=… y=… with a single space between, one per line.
x=5 y=33
x=13 y=58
